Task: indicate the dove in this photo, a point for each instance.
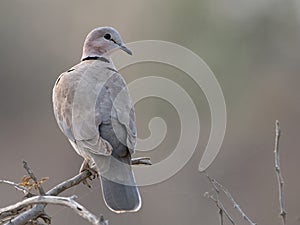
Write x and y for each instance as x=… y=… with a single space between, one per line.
x=93 y=109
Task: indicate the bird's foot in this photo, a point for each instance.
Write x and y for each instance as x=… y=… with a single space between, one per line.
x=141 y=161
x=93 y=171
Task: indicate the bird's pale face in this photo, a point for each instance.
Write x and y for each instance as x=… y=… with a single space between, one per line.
x=103 y=40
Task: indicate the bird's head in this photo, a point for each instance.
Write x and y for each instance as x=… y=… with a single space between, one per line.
x=103 y=40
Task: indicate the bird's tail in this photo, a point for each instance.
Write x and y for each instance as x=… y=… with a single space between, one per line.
x=119 y=190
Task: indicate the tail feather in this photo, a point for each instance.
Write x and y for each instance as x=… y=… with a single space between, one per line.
x=119 y=197
x=119 y=190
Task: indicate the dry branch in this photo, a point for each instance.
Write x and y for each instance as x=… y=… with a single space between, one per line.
x=64 y=201
x=33 y=177
x=222 y=210
x=278 y=173
x=21 y=215
x=15 y=185
x=219 y=187
x=39 y=203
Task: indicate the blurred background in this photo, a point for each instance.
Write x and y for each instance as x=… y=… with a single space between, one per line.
x=251 y=46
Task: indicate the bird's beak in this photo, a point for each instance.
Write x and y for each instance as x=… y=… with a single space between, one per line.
x=125 y=49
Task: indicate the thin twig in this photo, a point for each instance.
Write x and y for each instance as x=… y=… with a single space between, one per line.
x=278 y=173
x=64 y=201
x=222 y=210
x=218 y=203
x=15 y=185
x=221 y=216
x=9 y=215
x=229 y=196
x=33 y=177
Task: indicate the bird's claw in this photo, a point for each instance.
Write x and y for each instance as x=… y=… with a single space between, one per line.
x=141 y=161
x=92 y=170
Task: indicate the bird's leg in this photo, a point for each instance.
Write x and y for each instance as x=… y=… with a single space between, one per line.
x=93 y=171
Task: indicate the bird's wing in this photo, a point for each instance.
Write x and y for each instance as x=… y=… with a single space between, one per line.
x=123 y=115
x=85 y=96
x=75 y=96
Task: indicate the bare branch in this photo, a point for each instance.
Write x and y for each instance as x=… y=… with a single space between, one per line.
x=218 y=202
x=69 y=183
x=103 y=221
x=64 y=201
x=29 y=215
x=15 y=185
x=219 y=186
x=33 y=177
x=38 y=210
x=9 y=215
x=221 y=216
x=222 y=210
x=278 y=173
x=211 y=197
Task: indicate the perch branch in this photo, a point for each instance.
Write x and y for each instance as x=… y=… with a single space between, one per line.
x=64 y=201
x=38 y=209
x=219 y=186
x=69 y=183
x=278 y=173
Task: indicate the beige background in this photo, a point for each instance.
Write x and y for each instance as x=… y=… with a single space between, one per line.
x=252 y=47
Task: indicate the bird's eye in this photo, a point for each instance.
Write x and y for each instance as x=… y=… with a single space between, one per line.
x=107 y=36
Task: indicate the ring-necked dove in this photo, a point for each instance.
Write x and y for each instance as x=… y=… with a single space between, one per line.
x=93 y=109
